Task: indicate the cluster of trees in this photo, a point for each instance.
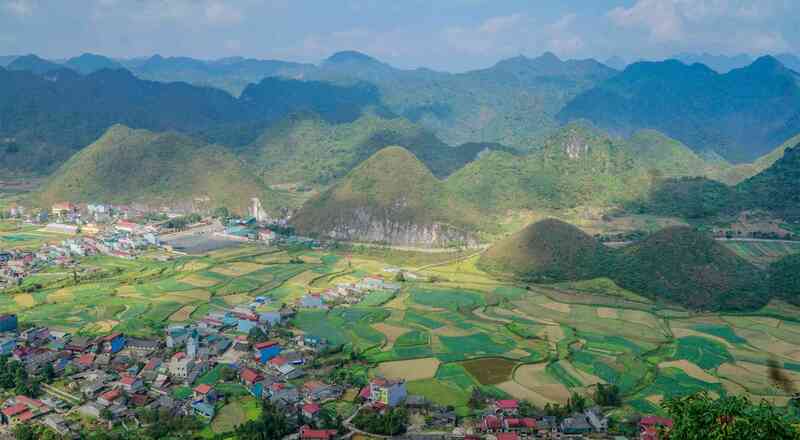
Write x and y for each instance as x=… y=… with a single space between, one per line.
x=391 y=422
x=13 y=376
x=180 y=223
x=607 y=395
x=700 y=417
x=272 y=425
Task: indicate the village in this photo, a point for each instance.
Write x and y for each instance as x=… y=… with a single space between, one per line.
x=68 y=383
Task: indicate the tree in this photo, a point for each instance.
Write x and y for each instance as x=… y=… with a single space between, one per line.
x=607 y=395
x=106 y=414
x=256 y=335
x=48 y=373
x=273 y=425
x=221 y=213
x=576 y=403
x=699 y=417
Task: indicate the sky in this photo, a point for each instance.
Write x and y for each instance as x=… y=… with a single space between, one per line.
x=453 y=35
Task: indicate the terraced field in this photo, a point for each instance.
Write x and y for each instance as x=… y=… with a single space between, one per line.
x=453 y=330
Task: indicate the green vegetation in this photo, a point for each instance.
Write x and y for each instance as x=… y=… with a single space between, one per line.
x=655 y=95
x=549 y=250
x=127 y=165
x=682 y=265
x=700 y=416
x=391 y=186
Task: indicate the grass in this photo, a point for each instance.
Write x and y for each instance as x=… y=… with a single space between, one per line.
x=707 y=354
x=490 y=371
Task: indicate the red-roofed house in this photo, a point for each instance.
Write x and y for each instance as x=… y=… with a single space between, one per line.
x=491 y=424
x=109 y=397
x=278 y=361
x=650 y=425
x=306 y=433
x=250 y=376
x=131 y=384
x=310 y=410
x=86 y=360
x=204 y=393
x=508 y=407
x=507 y=436
x=526 y=425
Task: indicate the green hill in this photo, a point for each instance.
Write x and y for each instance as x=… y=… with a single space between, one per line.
x=127 y=165
x=775 y=188
x=391 y=197
x=549 y=250
x=684 y=266
x=784 y=278
x=306 y=148
x=575 y=166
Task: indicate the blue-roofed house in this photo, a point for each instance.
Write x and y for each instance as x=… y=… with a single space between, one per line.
x=8 y=323
x=267 y=350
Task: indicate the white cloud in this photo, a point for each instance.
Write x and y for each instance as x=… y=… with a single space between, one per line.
x=502 y=35
x=661 y=18
x=562 y=38
x=19 y=8
x=219 y=13
x=724 y=26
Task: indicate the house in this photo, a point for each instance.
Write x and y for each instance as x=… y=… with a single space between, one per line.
x=245 y=325
x=387 y=392
x=204 y=393
x=314 y=342
x=576 y=424
x=311 y=410
x=56 y=423
x=312 y=301
x=143 y=347
x=525 y=425
x=507 y=407
x=491 y=424
x=8 y=323
x=17 y=413
x=203 y=409
x=283 y=395
x=267 y=350
x=62 y=208
x=7 y=346
x=596 y=418
x=249 y=376
x=131 y=384
x=176 y=336
x=80 y=344
x=85 y=360
x=113 y=343
x=306 y=433
x=109 y=397
x=650 y=426
x=180 y=365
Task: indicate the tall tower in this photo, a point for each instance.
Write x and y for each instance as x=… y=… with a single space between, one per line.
x=255 y=210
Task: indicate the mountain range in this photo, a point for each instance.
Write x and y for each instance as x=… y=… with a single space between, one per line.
x=739 y=115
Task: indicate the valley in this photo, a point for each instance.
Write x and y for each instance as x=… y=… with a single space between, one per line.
x=550 y=339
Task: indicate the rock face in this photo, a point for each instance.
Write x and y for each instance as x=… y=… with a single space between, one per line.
x=363 y=226
x=390 y=198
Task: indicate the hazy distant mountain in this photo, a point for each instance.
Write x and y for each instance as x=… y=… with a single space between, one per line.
x=230 y=74
x=89 y=63
x=719 y=63
x=616 y=62
x=741 y=115
x=7 y=59
x=789 y=60
x=513 y=102
x=46 y=119
x=34 y=64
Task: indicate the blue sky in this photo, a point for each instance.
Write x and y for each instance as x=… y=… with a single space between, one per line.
x=450 y=35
